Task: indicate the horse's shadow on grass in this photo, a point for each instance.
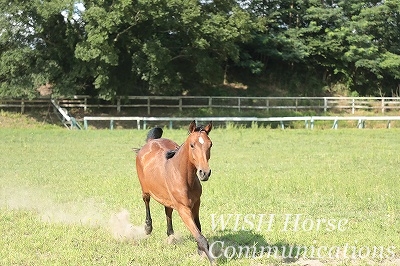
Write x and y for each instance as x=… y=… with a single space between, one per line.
x=230 y=245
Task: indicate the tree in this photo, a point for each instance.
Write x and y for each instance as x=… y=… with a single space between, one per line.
x=161 y=47
x=374 y=47
x=347 y=42
x=109 y=48
x=37 y=43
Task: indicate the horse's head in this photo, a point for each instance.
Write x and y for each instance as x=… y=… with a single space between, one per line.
x=199 y=150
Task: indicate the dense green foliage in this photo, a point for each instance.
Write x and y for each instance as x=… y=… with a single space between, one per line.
x=108 y=48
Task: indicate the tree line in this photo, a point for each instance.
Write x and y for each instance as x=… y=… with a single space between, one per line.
x=173 y=47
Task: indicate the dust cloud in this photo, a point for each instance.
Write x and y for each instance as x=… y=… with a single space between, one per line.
x=122 y=230
x=87 y=212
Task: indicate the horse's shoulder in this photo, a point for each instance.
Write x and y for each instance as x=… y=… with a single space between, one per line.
x=163 y=146
x=169 y=148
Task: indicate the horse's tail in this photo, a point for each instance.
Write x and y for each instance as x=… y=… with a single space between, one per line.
x=154 y=133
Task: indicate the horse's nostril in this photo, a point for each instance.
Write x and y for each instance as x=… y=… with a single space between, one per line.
x=203 y=175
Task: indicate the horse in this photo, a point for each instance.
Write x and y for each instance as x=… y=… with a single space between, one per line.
x=171 y=175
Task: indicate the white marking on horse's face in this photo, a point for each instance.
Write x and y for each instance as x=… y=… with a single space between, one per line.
x=201 y=140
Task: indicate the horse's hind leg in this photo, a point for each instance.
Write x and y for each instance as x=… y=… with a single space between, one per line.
x=148 y=222
x=168 y=214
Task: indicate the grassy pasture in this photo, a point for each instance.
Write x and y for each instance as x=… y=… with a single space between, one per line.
x=59 y=188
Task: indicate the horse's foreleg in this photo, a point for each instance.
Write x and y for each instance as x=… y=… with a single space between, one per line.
x=168 y=214
x=196 y=217
x=202 y=244
x=148 y=222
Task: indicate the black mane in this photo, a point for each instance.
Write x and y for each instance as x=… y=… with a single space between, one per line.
x=170 y=154
x=199 y=128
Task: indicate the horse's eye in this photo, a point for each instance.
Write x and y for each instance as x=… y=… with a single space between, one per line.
x=192 y=145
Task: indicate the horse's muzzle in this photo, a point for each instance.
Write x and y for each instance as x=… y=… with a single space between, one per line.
x=203 y=175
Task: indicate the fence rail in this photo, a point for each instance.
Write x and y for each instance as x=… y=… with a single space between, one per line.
x=141 y=122
x=353 y=104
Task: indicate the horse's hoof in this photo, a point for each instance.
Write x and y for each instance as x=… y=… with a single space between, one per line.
x=148 y=229
x=203 y=255
x=172 y=240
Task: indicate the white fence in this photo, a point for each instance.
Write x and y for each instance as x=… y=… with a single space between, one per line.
x=148 y=103
x=141 y=122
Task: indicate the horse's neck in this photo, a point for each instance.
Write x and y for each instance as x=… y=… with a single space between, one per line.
x=182 y=164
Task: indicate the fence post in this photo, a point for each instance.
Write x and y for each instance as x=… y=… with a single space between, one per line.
x=267 y=103
x=210 y=102
x=360 y=123
x=85 y=104
x=239 y=104
x=148 y=105
x=325 y=104
x=383 y=105
x=138 y=124
x=22 y=106
x=352 y=106
x=118 y=104
x=335 y=124
x=180 y=103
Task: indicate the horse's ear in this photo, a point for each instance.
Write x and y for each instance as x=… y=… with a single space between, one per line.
x=192 y=126
x=208 y=128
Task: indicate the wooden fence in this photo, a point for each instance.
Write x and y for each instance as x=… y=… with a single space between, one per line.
x=149 y=103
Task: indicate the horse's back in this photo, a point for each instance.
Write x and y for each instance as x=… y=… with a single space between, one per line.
x=156 y=148
x=150 y=164
x=151 y=158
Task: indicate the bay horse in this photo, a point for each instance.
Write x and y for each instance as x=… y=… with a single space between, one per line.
x=171 y=175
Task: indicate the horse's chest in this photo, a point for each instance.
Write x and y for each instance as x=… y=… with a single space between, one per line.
x=185 y=194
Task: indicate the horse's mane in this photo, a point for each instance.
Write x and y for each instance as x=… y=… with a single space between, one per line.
x=199 y=129
x=157 y=132
x=171 y=153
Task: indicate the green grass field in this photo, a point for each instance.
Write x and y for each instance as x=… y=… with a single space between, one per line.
x=60 y=192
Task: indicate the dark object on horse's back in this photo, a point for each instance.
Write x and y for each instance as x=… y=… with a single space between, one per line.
x=154 y=133
x=165 y=169
x=170 y=154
